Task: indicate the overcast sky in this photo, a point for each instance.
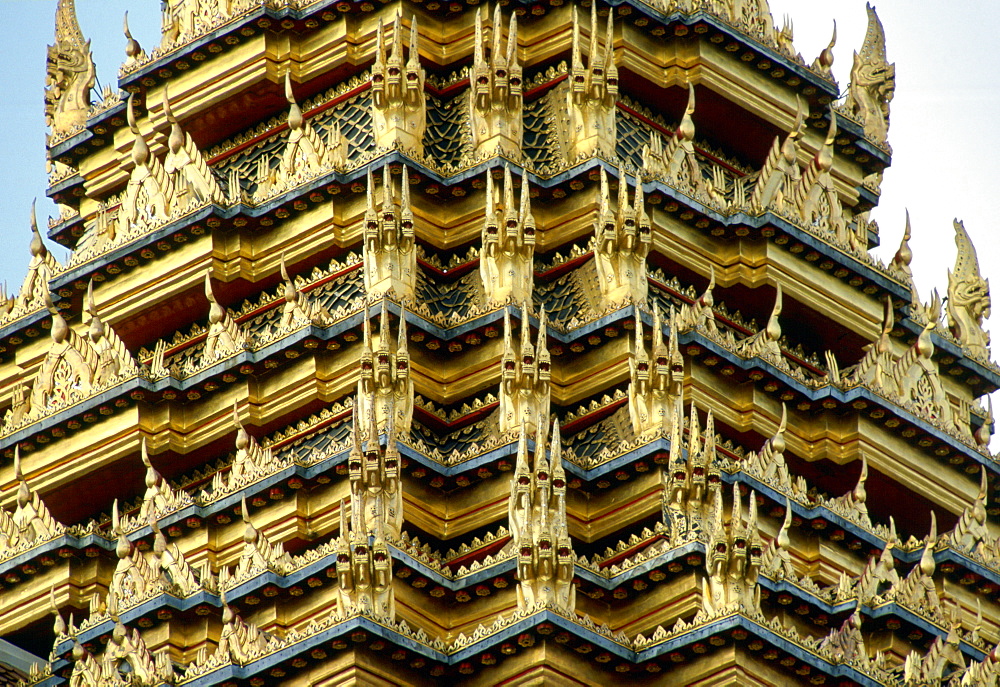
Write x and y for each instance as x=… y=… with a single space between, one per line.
x=945 y=130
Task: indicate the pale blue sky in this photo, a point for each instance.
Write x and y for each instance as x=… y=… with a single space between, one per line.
x=944 y=130
x=29 y=26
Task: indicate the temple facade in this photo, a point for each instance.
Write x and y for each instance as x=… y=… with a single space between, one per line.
x=444 y=343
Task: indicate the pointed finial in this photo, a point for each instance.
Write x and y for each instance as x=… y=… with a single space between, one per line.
x=512 y=41
x=800 y=118
x=824 y=157
x=91 y=305
x=783 y=539
x=59 y=627
x=525 y=210
x=556 y=443
x=140 y=151
x=242 y=438
x=525 y=327
x=59 y=330
x=927 y=564
x=404 y=191
x=478 y=56
x=825 y=58
x=387 y=197
x=609 y=65
x=23 y=493
x=508 y=188
x=752 y=514
x=132 y=48
x=622 y=189
x=96 y=332
x=18 y=475
x=708 y=298
x=344 y=526
x=401 y=333
x=144 y=453
x=209 y=294
x=738 y=514
x=176 y=139
x=594 y=45
x=497 y=37
x=37 y=245
x=831 y=133
x=396 y=52
x=576 y=61
x=130 y=114
x=116 y=518
x=686 y=130
x=986 y=429
x=773 y=324
x=295 y=120
x=904 y=255
x=414 y=34
x=380 y=55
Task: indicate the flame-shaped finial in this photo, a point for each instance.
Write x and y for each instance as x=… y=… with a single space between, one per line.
x=825 y=58
x=295 y=120
x=132 y=48
x=686 y=130
x=37 y=246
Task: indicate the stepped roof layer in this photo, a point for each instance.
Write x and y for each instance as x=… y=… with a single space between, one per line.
x=438 y=343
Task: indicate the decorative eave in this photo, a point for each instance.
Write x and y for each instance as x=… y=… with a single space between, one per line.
x=815 y=88
x=306 y=340
x=677 y=561
x=520 y=631
x=855 y=272
x=200 y=50
x=29 y=326
x=983 y=377
x=442 y=573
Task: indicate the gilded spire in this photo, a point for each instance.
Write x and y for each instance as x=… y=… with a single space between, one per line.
x=525 y=391
x=589 y=122
x=508 y=243
x=398 y=100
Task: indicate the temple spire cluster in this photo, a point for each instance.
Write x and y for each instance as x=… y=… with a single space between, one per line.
x=512 y=344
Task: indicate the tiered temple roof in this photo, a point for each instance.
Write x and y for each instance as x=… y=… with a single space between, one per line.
x=437 y=343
